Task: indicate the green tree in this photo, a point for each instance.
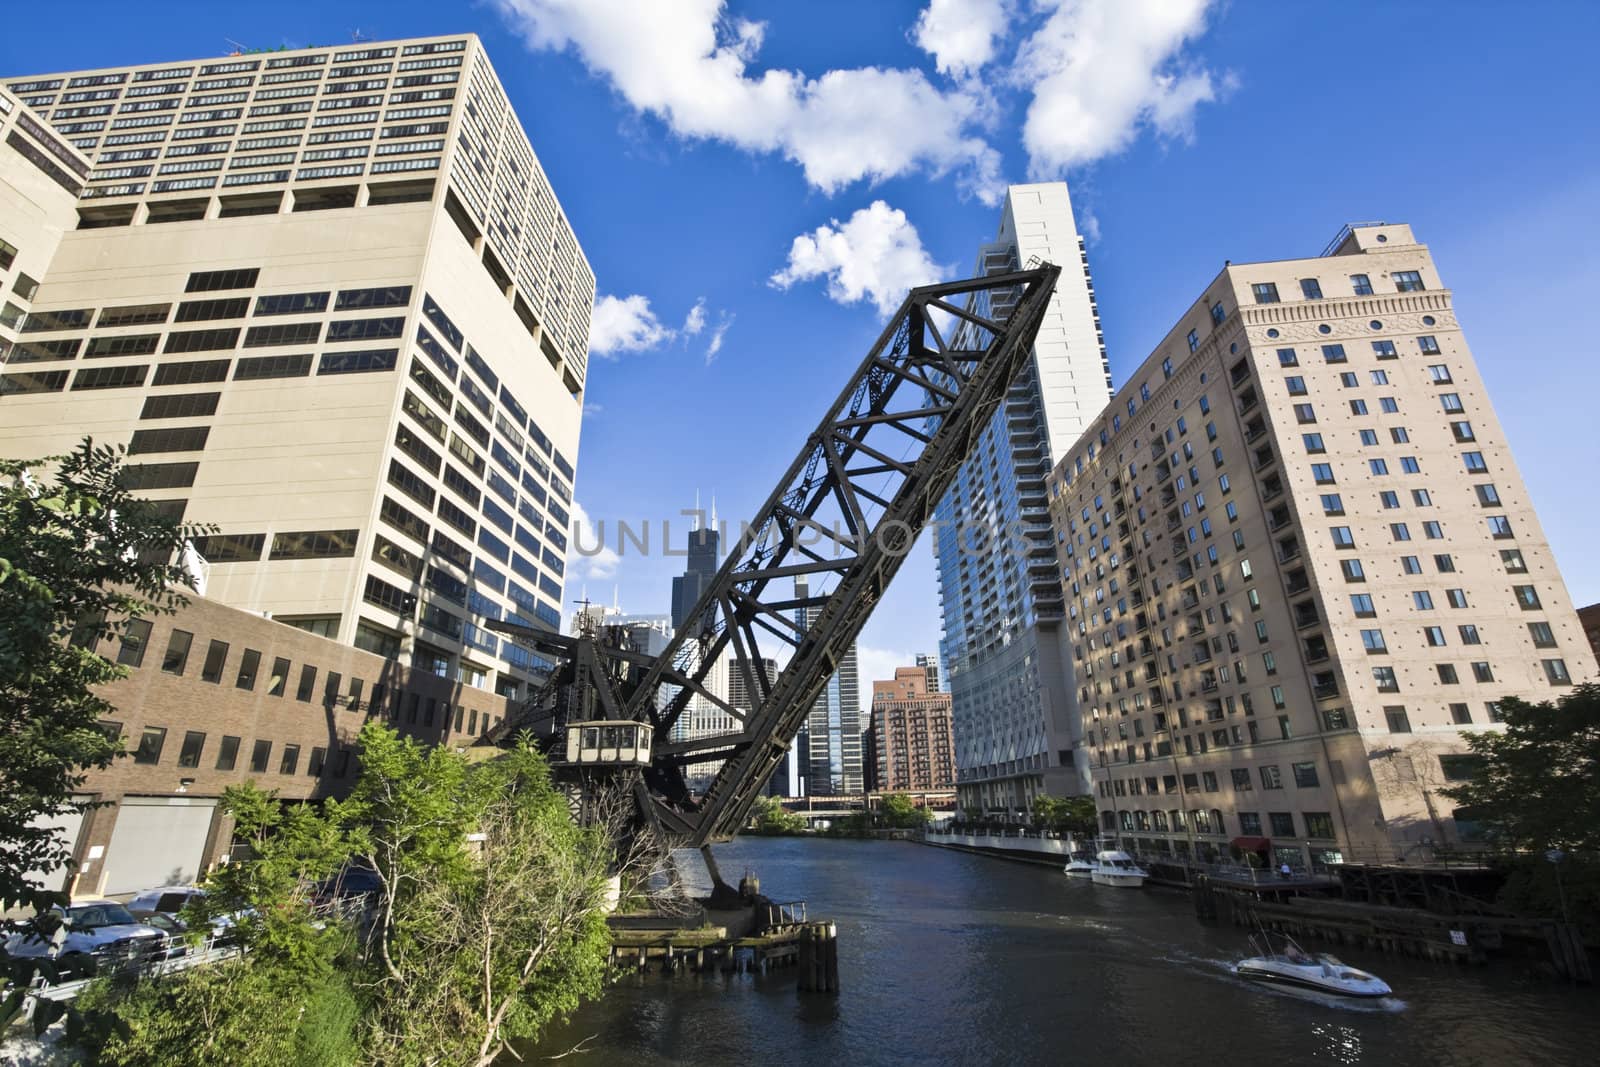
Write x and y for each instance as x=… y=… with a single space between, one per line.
x=79 y=558
x=483 y=942
x=1537 y=785
x=769 y=816
x=289 y=997
x=898 y=812
x=1064 y=814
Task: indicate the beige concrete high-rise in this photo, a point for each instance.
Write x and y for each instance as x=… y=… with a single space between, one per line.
x=329 y=300
x=1300 y=562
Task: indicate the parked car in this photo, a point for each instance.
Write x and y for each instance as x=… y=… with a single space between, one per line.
x=93 y=936
x=170 y=900
x=174 y=927
x=350 y=892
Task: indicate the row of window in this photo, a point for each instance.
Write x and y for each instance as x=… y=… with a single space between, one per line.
x=1405 y=281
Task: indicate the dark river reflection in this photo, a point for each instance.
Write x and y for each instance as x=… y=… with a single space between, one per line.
x=947 y=958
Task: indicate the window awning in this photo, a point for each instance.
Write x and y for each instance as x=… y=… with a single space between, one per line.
x=1251 y=844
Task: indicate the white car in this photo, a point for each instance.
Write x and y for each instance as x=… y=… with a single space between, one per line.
x=171 y=899
x=93 y=934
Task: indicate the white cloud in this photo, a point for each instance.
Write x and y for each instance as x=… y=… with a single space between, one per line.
x=592 y=554
x=1100 y=70
x=876 y=255
x=877 y=665
x=718 y=331
x=625 y=324
x=962 y=35
x=689 y=63
x=695 y=321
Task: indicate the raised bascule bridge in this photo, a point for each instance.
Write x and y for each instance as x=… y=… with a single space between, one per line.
x=844 y=516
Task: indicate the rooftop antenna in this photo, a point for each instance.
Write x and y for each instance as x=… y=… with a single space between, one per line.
x=696 y=525
x=356 y=36
x=237 y=47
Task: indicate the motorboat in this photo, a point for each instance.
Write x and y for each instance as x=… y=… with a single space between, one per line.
x=1081 y=864
x=1116 y=868
x=1290 y=965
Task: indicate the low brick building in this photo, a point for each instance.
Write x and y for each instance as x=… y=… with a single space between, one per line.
x=217 y=696
x=912 y=745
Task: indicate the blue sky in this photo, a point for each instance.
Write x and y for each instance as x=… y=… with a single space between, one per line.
x=1189 y=133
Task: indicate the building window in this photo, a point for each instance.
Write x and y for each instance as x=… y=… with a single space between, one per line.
x=1369 y=438
x=1456 y=597
x=1332 y=505
x=135 y=639
x=1271 y=776
x=308 y=683
x=1460 y=714
x=1422 y=600
x=1435 y=636
x=1265 y=292
x=1241 y=780
x=260 y=757
x=1352 y=570
x=1527 y=597
x=1410 y=565
x=1398 y=530
x=1543 y=636
x=1384 y=350
x=1407 y=281
x=291 y=759
x=1362 y=603
x=1287 y=358
x=1305 y=775
x=1554 y=669
x=1319 y=825
x=1482 y=672
x=177 y=654
x=1333 y=354
x=1310 y=289
x=1469 y=634
x=193 y=742
x=1389 y=499
x=1399 y=721
x=1447 y=674
x=249 y=663
x=1388 y=405
x=1386 y=680
x=1313 y=443
x=1361 y=285
x=1444 y=563
x=1358 y=407
x=1322 y=473
x=279 y=678
x=1296 y=385
x=1429 y=347
x=153 y=738
x=227 y=753
x=1194 y=343
x=1342 y=537
x=216 y=655
x=1451 y=403
x=1218 y=313
x=1499 y=527
x=1372 y=641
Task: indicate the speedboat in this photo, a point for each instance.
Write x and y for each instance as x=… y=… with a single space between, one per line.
x=1293 y=966
x=1081 y=863
x=1115 y=867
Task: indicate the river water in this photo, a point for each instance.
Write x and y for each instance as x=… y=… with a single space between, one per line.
x=948 y=958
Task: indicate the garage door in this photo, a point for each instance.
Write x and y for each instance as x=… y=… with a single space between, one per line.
x=66 y=827
x=157 y=841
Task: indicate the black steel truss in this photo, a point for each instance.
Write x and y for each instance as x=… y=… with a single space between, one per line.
x=844 y=516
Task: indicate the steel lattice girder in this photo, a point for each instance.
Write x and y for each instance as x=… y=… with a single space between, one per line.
x=844 y=516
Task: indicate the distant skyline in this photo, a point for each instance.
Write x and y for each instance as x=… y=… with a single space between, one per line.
x=756 y=183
